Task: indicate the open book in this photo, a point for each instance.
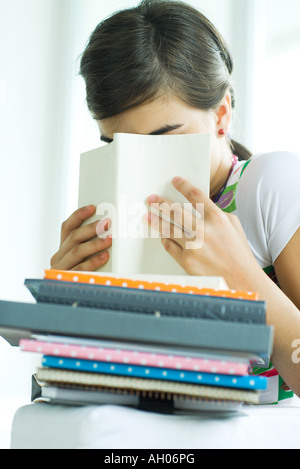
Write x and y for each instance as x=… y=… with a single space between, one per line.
x=117 y=178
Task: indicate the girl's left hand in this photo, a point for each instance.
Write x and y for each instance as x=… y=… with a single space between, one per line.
x=218 y=247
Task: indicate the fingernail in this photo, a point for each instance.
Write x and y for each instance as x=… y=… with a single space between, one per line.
x=107 y=237
x=107 y=225
x=152 y=198
x=102 y=226
x=88 y=208
x=103 y=255
x=176 y=179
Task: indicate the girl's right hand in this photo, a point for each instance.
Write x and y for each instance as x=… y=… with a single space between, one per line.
x=80 y=246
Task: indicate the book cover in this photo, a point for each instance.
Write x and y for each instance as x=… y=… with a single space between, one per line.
x=208 y=354
x=161 y=373
x=146 y=301
x=117 y=178
x=200 y=285
x=107 y=324
x=137 y=357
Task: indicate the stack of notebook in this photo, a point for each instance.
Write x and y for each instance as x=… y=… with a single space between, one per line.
x=147 y=344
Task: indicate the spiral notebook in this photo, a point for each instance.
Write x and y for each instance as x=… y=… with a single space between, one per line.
x=80 y=395
x=98 y=380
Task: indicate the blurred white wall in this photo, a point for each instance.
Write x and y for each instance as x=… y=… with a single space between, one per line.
x=35 y=74
x=276 y=97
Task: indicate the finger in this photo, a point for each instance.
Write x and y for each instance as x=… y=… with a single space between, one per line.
x=173 y=249
x=76 y=220
x=102 y=226
x=195 y=196
x=93 y=263
x=182 y=217
x=81 y=252
x=185 y=240
x=76 y=237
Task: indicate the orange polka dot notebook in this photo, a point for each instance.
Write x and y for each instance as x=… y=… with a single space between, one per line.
x=156 y=284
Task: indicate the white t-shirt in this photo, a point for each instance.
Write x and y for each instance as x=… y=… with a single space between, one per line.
x=264 y=193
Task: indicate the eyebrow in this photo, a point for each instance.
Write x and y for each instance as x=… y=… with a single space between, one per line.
x=161 y=131
x=165 y=129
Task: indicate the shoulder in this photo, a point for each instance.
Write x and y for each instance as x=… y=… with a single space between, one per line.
x=276 y=156
x=268 y=202
x=272 y=167
x=270 y=176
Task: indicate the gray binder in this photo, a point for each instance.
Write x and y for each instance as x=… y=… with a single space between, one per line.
x=19 y=320
x=147 y=301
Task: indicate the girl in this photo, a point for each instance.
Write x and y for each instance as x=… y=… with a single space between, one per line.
x=162 y=68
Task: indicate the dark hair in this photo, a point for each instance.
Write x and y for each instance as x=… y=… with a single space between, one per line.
x=159 y=47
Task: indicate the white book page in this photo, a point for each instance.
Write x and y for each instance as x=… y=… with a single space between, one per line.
x=122 y=175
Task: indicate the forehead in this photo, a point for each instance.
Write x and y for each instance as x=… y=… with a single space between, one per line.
x=150 y=116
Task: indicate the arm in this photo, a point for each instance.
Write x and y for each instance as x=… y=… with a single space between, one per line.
x=287 y=269
x=226 y=252
x=283 y=310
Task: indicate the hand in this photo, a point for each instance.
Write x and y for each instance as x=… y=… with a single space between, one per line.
x=219 y=246
x=80 y=247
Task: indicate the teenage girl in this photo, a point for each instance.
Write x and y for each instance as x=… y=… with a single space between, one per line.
x=163 y=68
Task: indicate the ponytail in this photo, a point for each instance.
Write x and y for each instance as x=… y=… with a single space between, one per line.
x=240 y=151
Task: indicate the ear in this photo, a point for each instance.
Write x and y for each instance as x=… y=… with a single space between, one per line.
x=223 y=115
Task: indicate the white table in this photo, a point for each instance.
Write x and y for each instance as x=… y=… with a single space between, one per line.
x=111 y=427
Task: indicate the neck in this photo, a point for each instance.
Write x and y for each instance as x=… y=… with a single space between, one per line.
x=220 y=171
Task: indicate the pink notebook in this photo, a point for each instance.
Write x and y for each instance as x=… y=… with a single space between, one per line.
x=135 y=357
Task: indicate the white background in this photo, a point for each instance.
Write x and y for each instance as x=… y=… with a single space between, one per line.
x=44 y=126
